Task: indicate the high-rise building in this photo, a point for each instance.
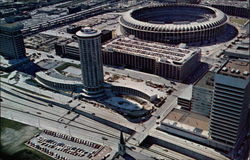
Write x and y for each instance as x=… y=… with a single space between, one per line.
x=11 y=40
x=229 y=115
x=89 y=41
x=202 y=95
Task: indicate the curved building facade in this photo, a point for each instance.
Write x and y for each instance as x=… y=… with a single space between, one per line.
x=173 y=23
x=52 y=82
x=91 y=61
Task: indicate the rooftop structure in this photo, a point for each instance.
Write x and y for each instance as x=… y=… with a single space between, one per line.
x=157 y=51
x=235 y=68
x=88 y=32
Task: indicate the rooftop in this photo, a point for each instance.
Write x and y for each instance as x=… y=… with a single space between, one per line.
x=236 y=68
x=11 y=27
x=189 y=118
x=137 y=84
x=158 y=51
x=207 y=81
x=88 y=32
x=187 y=93
x=53 y=76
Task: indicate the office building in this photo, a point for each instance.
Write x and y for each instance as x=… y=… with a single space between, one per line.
x=202 y=95
x=11 y=40
x=89 y=41
x=229 y=115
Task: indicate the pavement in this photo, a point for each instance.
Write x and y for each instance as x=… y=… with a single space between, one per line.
x=67 y=146
x=189 y=146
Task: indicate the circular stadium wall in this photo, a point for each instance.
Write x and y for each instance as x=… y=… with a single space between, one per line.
x=174 y=23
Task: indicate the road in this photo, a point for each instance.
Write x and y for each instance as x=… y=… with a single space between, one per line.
x=189 y=146
x=25 y=109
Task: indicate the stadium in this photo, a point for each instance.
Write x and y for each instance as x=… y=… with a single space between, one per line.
x=174 y=23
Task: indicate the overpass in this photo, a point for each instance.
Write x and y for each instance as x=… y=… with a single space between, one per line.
x=151 y=125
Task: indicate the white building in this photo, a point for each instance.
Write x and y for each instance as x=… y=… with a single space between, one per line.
x=91 y=61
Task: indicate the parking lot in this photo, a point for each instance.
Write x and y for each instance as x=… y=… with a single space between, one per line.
x=65 y=147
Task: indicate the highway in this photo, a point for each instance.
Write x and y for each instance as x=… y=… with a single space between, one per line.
x=25 y=109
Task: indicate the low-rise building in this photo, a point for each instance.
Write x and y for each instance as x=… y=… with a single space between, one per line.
x=184 y=99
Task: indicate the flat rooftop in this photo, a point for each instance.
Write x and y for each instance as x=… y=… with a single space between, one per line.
x=236 y=68
x=188 y=118
x=137 y=84
x=11 y=27
x=187 y=93
x=207 y=81
x=158 y=51
x=53 y=76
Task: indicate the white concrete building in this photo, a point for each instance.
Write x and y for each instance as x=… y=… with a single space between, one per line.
x=91 y=61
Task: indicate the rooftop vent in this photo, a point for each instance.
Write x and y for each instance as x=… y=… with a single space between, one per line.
x=232 y=70
x=237 y=71
x=245 y=73
x=224 y=69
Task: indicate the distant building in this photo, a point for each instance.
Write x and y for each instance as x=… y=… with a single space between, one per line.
x=91 y=61
x=238 y=49
x=106 y=35
x=73 y=29
x=11 y=40
x=74 y=9
x=71 y=50
x=233 y=8
x=229 y=120
x=202 y=95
